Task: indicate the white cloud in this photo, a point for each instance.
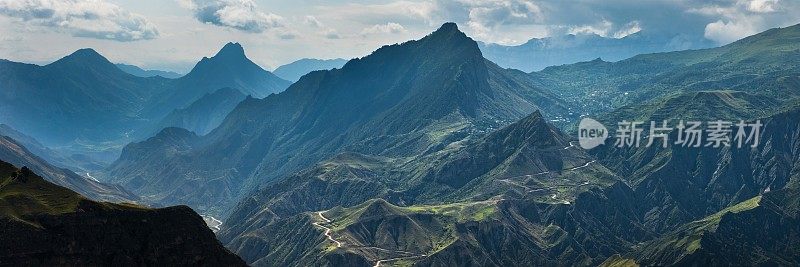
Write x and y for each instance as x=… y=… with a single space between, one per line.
x=390 y=27
x=402 y=11
x=762 y=6
x=312 y=21
x=601 y=28
x=742 y=18
x=83 y=18
x=503 y=12
x=288 y=35
x=331 y=34
x=238 y=14
x=630 y=28
x=725 y=32
x=327 y=32
x=484 y=18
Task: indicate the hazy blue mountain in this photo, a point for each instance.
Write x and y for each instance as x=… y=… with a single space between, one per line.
x=137 y=71
x=219 y=71
x=401 y=100
x=293 y=71
x=29 y=142
x=46 y=224
x=539 y=53
x=229 y=68
x=76 y=162
x=81 y=96
x=83 y=104
x=203 y=115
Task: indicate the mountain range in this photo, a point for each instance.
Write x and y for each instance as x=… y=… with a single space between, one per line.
x=139 y=72
x=539 y=53
x=84 y=104
x=525 y=195
x=397 y=102
x=421 y=153
x=466 y=160
x=757 y=64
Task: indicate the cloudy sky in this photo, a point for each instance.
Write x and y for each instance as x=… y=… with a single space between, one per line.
x=174 y=34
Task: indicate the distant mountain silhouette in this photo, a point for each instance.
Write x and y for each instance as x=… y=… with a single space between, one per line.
x=79 y=163
x=81 y=96
x=136 y=71
x=86 y=104
x=230 y=61
x=539 y=53
x=228 y=68
x=762 y=58
x=203 y=115
x=293 y=71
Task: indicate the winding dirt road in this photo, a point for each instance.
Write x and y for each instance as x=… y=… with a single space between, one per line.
x=327 y=230
x=378 y=263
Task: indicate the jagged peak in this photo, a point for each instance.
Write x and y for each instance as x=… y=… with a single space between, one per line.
x=448 y=27
x=231 y=55
x=231 y=50
x=446 y=42
x=449 y=32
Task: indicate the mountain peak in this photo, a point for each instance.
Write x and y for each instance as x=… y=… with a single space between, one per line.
x=228 y=68
x=379 y=208
x=532 y=130
x=450 y=30
x=84 y=56
x=232 y=54
x=448 y=27
x=86 y=52
x=450 y=40
x=231 y=50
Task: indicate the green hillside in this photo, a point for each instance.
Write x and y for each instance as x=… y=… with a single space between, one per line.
x=760 y=64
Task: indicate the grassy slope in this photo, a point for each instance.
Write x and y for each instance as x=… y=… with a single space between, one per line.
x=24 y=194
